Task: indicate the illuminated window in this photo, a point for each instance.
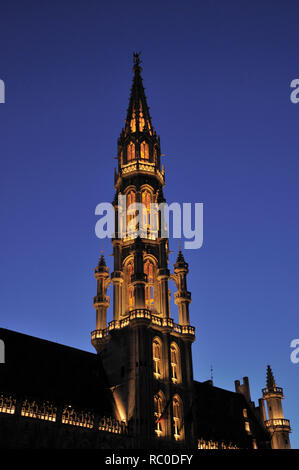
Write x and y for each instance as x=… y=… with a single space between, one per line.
x=141 y=122
x=144 y=150
x=131 y=152
x=130 y=200
x=149 y=270
x=159 y=409
x=129 y=273
x=177 y=410
x=146 y=199
x=133 y=123
x=131 y=298
x=130 y=270
x=247 y=427
x=157 y=358
x=175 y=363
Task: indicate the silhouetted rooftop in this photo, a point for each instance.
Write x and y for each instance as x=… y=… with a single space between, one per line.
x=43 y=370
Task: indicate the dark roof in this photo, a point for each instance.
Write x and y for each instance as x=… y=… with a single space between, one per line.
x=43 y=370
x=219 y=416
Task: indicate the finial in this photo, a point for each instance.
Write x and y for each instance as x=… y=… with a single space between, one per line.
x=136 y=61
x=212 y=377
x=102 y=261
x=180 y=257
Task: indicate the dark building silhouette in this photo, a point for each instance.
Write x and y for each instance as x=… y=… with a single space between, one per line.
x=138 y=390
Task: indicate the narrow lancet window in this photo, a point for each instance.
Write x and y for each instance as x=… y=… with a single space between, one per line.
x=177 y=410
x=175 y=363
x=157 y=358
x=141 y=122
x=149 y=270
x=159 y=405
x=133 y=123
x=131 y=152
x=144 y=150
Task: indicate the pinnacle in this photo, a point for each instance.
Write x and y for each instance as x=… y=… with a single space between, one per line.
x=102 y=261
x=270 y=378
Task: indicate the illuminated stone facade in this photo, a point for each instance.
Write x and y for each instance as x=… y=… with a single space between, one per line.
x=138 y=391
x=147 y=357
x=142 y=332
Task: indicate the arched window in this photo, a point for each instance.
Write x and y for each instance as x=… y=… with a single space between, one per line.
x=133 y=122
x=141 y=122
x=131 y=152
x=159 y=410
x=175 y=363
x=149 y=270
x=146 y=199
x=144 y=150
x=131 y=298
x=178 y=419
x=129 y=271
x=131 y=199
x=157 y=358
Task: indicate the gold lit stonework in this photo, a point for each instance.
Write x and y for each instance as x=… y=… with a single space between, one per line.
x=143 y=340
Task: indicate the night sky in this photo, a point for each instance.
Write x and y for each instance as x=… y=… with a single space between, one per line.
x=217 y=77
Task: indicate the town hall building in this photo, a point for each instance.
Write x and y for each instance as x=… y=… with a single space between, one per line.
x=137 y=390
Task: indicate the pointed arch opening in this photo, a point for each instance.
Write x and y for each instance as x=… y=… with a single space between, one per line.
x=159 y=414
x=178 y=418
x=141 y=122
x=150 y=226
x=175 y=363
x=129 y=297
x=130 y=201
x=131 y=152
x=144 y=150
x=133 y=121
x=157 y=358
x=150 y=271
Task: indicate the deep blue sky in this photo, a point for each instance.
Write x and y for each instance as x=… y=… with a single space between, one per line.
x=217 y=77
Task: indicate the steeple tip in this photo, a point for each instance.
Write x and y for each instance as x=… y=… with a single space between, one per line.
x=180 y=261
x=102 y=261
x=136 y=62
x=138 y=119
x=270 y=378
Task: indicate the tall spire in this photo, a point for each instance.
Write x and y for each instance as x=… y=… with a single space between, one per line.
x=138 y=117
x=138 y=146
x=270 y=379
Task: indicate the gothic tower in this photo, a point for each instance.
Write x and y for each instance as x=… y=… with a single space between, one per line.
x=147 y=357
x=278 y=427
